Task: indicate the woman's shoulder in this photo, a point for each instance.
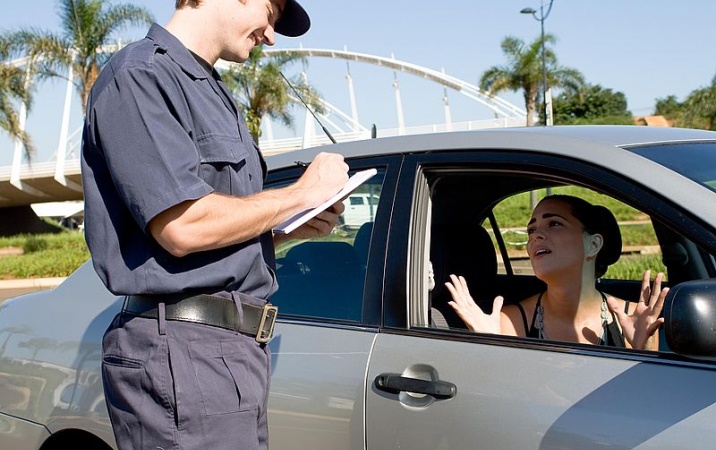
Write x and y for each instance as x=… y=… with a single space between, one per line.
x=520 y=314
x=526 y=305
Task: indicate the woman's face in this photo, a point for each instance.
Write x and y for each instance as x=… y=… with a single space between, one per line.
x=557 y=240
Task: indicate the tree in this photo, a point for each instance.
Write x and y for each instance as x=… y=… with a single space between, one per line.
x=592 y=104
x=669 y=107
x=697 y=111
x=524 y=72
x=262 y=91
x=13 y=90
x=700 y=108
x=36 y=344
x=84 y=43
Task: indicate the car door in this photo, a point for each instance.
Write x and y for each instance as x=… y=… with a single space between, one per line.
x=328 y=318
x=441 y=388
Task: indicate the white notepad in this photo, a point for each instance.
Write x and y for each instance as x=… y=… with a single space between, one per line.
x=299 y=219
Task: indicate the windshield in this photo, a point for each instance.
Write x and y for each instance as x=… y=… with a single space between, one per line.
x=696 y=161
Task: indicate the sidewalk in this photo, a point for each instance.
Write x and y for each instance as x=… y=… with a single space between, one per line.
x=13 y=288
x=40 y=283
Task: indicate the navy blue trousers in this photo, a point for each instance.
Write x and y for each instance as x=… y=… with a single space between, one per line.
x=184 y=386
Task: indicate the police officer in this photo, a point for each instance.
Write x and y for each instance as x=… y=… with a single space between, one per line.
x=177 y=221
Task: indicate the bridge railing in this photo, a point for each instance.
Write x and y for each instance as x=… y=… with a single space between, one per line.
x=40 y=169
x=287 y=144
x=45 y=180
x=275 y=146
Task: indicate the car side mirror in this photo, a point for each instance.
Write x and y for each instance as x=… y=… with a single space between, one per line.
x=690 y=319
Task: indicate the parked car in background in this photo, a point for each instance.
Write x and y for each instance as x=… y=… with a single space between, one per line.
x=360 y=208
x=366 y=354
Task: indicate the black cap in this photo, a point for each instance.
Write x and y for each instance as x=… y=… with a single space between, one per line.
x=294 y=20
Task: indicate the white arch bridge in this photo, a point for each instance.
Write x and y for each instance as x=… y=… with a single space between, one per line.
x=58 y=179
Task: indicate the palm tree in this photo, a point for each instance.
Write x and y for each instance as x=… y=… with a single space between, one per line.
x=524 y=72
x=87 y=26
x=13 y=90
x=262 y=91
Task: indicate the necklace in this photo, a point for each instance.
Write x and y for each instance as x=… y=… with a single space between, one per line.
x=540 y=325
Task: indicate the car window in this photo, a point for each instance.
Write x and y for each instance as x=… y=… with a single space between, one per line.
x=324 y=278
x=694 y=161
x=478 y=230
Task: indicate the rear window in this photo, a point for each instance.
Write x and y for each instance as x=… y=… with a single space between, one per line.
x=696 y=161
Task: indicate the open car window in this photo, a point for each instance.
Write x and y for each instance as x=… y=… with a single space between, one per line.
x=478 y=230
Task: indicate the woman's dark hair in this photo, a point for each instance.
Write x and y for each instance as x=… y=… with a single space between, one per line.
x=596 y=219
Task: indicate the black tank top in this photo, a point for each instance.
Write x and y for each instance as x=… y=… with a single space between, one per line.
x=614 y=334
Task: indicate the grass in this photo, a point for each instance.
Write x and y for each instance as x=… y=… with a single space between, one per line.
x=632 y=267
x=43 y=255
x=515 y=211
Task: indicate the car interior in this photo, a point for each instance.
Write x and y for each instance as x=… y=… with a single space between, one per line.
x=462 y=241
x=313 y=272
x=467 y=240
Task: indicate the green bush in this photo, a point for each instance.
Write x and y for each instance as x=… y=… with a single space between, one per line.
x=516 y=210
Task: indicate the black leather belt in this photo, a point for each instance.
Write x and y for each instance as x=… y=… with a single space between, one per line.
x=258 y=321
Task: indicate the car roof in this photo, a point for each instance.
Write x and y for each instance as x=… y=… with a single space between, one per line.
x=601 y=145
x=576 y=141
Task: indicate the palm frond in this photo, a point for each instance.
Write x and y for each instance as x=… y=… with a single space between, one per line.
x=261 y=90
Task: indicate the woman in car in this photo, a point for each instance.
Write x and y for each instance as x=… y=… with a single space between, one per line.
x=571 y=244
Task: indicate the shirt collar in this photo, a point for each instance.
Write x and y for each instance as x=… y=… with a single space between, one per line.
x=167 y=42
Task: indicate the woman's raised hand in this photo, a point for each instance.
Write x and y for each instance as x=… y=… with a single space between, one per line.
x=642 y=322
x=465 y=307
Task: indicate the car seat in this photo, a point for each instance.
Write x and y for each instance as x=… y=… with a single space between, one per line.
x=459 y=250
x=361 y=243
x=321 y=279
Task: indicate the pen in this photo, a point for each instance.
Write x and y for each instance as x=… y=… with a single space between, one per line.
x=301 y=163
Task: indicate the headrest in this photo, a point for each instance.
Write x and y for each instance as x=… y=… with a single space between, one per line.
x=463 y=251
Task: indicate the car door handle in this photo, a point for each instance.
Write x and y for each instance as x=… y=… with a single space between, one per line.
x=396 y=383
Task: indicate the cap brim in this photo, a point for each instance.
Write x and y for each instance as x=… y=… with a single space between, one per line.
x=294 y=20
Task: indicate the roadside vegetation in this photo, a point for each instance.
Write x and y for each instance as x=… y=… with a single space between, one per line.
x=58 y=255
x=42 y=256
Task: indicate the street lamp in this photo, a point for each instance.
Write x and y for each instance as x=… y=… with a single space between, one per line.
x=547 y=100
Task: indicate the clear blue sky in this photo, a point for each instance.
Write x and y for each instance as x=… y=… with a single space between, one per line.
x=645 y=49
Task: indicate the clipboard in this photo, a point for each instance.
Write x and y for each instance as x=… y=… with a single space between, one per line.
x=351 y=185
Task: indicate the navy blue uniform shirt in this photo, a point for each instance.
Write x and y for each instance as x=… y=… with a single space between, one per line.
x=161 y=130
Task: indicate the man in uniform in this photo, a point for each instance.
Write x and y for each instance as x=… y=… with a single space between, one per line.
x=177 y=221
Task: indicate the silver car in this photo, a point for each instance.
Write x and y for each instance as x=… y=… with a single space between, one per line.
x=367 y=354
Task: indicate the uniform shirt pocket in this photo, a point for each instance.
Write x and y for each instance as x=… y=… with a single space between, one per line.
x=223 y=161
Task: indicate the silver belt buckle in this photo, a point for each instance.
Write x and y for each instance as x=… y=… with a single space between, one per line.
x=268 y=320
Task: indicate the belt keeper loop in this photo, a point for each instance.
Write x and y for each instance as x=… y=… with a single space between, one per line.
x=162 y=319
x=122 y=316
